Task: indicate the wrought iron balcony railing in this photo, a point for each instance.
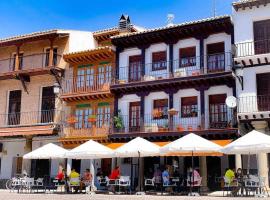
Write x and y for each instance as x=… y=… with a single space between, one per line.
x=217 y=120
x=34 y=61
x=185 y=67
x=31 y=118
x=251 y=48
x=252 y=104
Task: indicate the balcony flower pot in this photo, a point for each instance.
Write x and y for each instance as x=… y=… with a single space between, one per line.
x=72 y=120
x=118 y=123
x=157 y=113
x=180 y=128
x=122 y=81
x=190 y=128
x=92 y=118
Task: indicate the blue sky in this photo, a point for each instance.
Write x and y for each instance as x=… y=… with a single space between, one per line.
x=25 y=16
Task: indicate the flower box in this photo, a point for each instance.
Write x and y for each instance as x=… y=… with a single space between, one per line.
x=92 y=118
x=72 y=120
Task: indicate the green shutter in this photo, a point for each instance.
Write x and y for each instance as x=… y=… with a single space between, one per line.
x=86 y=105
x=83 y=66
x=103 y=104
x=104 y=63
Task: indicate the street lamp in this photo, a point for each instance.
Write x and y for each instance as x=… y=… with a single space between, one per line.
x=56 y=88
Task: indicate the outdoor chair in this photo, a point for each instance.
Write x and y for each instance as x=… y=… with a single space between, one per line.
x=38 y=183
x=252 y=184
x=74 y=183
x=228 y=185
x=149 y=182
x=195 y=183
x=59 y=185
x=124 y=182
x=27 y=184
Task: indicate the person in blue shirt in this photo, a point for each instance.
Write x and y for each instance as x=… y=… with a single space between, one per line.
x=166 y=176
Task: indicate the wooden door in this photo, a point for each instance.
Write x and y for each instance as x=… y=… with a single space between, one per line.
x=47 y=105
x=134 y=116
x=14 y=109
x=263 y=91
x=134 y=73
x=218 y=111
x=262 y=37
x=215 y=57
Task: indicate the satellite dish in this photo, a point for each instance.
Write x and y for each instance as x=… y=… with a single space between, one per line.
x=231 y=102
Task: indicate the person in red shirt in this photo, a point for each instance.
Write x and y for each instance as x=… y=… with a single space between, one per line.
x=60 y=176
x=115 y=173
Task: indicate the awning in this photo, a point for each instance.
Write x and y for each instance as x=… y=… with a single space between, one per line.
x=161 y=144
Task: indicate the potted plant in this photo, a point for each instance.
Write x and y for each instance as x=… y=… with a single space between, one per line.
x=172 y=112
x=157 y=113
x=118 y=122
x=92 y=118
x=180 y=128
x=72 y=120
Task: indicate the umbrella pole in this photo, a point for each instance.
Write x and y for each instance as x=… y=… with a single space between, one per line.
x=248 y=167
x=192 y=166
x=139 y=178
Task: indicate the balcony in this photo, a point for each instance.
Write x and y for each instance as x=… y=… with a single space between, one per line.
x=215 y=65
x=217 y=125
x=89 y=87
x=254 y=107
x=79 y=127
x=253 y=52
x=29 y=123
x=34 y=64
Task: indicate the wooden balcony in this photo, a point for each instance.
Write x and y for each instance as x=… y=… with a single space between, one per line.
x=184 y=73
x=44 y=122
x=34 y=64
x=254 y=108
x=90 y=88
x=253 y=53
x=217 y=126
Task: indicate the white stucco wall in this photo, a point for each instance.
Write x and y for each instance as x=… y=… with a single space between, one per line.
x=81 y=40
x=13 y=148
x=243 y=21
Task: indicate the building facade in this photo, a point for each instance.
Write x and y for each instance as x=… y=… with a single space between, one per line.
x=173 y=80
x=31 y=114
x=252 y=71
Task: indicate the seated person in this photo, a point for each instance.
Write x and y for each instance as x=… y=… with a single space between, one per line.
x=229 y=175
x=157 y=176
x=60 y=176
x=86 y=179
x=115 y=173
x=74 y=175
x=166 y=177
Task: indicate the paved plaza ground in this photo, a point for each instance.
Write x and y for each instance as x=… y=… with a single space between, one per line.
x=6 y=195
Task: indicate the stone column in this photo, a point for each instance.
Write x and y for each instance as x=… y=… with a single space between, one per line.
x=262 y=161
x=238 y=161
x=26 y=165
x=203 y=172
x=69 y=163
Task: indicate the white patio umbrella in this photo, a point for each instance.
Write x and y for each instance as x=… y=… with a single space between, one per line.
x=190 y=143
x=48 y=151
x=90 y=150
x=253 y=142
x=138 y=147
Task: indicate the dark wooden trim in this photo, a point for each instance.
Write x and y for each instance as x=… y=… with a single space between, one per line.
x=143 y=61
x=115 y=109
x=171 y=58
x=201 y=53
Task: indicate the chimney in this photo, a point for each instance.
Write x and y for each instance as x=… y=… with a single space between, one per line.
x=170 y=18
x=124 y=24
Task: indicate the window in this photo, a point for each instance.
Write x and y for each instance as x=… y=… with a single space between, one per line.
x=159 y=60
x=85 y=76
x=189 y=107
x=47 y=60
x=103 y=114
x=218 y=111
x=215 y=57
x=160 y=109
x=187 y=57
x=104 y=74
x=82 y=115
x=262 y=36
